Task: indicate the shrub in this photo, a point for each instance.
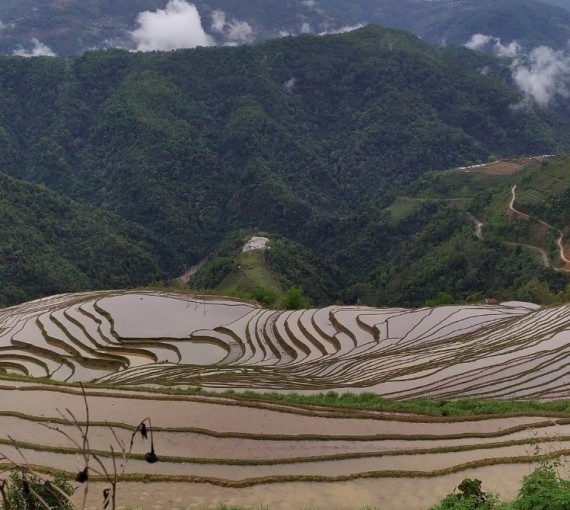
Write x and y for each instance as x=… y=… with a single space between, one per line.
x=264 y=295
x=20 y=489
x=295 y=300
x=469 y=497
x=543 y=489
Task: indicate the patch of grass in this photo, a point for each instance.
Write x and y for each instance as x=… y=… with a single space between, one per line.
x=464 y=407
x=434 y=407
x=251 y=278
x=403 y=207
x=454 y=184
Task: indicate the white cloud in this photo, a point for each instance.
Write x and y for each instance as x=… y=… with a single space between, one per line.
x=511 y=50
x=342 y=30
x=218 y=20
x=541 y=74
x=544 y=74
x=323 y=29
x=178 y=25
x=234 y=30
x=309 y=3
x=290 y=84
x=478 y=41
x=305 y=28
x=494 y=44
x=38 y=50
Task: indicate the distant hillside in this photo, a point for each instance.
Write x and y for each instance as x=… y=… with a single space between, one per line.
x=427 y=241
x=74 y=26
x=195 y=144
x=309 y=139
x=560 y=3
x=267 y=275
x=51 y=245
x=529 y=23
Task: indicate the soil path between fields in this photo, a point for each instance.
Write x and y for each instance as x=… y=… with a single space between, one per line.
x=388 y=493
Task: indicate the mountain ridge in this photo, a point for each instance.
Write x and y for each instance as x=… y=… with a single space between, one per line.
x=309 y=138
x=76 y=26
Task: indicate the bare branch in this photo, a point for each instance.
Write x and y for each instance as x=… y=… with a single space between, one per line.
x=40 y=499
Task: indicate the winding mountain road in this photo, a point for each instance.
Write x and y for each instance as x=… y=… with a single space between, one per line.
x=524 y=215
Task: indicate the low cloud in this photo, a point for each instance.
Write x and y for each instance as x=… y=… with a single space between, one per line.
x=540 y=74
x=38 y=50
x=290 y=84
x=176 y=26
x=493 y=44
x=323 y=29
x=342 y=30
x=233 y=30
x=544 y=74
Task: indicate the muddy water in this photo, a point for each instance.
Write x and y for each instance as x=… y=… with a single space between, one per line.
x=202 y=446
x=411 y=463
x=148 y=316
x=231 y=418
x=388 y=494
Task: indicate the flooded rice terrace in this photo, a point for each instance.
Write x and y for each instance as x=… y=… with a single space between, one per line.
x=218 y=448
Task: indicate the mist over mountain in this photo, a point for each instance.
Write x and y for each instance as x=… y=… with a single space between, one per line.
x=34 y=27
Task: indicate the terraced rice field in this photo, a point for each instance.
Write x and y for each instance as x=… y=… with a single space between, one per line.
x=225 y=450
x=146 y=337
x=222 y=449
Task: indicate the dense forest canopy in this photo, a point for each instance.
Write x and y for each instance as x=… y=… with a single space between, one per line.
x=303 y=137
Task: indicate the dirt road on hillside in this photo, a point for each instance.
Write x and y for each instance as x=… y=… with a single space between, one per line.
x=559 y=241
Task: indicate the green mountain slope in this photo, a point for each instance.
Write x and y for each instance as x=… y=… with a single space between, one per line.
x=310 y=139
x=195 y=144
x=50 y=245
x=433 y=246
x=266 y=275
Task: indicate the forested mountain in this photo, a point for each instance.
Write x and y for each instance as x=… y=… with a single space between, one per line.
x=50 y=244
x=448 y=236
x=73 y=26
x=298 y=137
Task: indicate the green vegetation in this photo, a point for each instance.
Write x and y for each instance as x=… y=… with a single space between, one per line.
x=464 y=407
x=442 y=298
x=295 y=300
x=266 y=276
x=174 y=153
x=543 y=489
x=18 y=494
x=543 y=191
x=403 y=207
x=251 y=279
x=50 y=244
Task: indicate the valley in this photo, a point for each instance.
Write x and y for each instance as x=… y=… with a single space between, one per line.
x=183 y=165
x=316 y=271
